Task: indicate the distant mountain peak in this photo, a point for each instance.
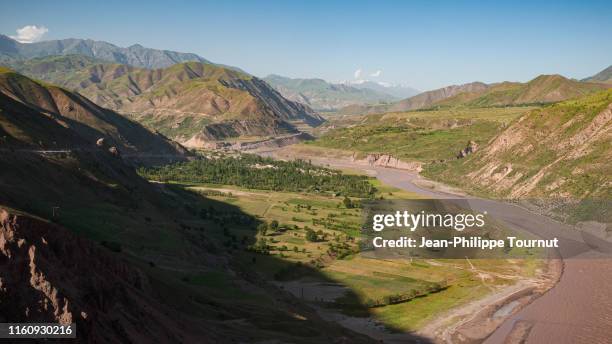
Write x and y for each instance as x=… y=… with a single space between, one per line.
x=135 y=55
x=396 y=90
x=603 y=76
x=326 y=96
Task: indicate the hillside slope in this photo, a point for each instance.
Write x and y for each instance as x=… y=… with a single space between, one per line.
x=426 y=99
x=47 y=117
x=190 y=102
x=562 y=150
x=85 y=239
x=321 y=95
x=541 y=90
x=135 y=55
x=60 y=270
x=603 y=76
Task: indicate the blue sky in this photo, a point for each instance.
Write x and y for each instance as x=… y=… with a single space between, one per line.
x=424 y=44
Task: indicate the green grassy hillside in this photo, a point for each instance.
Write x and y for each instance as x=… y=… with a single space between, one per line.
x=420 y=135
x=561 y=150
x=543 y=89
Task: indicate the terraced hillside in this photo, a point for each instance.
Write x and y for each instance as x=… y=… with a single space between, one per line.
x=190 y=102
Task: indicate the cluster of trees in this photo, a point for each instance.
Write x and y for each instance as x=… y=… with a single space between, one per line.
x=256 y=172
x=340 y=250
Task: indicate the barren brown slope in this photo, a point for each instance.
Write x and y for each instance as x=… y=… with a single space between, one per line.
x=420 y=101
x=182 y=100
x=426 y=99
x=21 y=98
x=50 y=275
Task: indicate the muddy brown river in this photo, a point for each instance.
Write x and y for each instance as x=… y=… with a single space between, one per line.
x=578 y=309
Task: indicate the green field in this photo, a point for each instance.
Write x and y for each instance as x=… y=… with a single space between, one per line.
x=402 y=294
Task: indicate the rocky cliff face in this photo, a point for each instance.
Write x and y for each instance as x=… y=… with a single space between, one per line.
x=47 y=274
x=387 y=160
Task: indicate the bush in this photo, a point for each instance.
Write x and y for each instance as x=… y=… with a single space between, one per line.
x=311 y=235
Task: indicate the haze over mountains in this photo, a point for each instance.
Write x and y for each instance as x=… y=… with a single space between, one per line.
x=325 y=96
x=321 y=95
x=398 y=91
x=129 y=260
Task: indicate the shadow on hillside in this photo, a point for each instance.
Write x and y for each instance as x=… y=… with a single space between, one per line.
x=225 y=220
x=196 y=229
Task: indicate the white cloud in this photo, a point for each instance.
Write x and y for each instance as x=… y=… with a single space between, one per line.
x=30 y=34
x=376 y=74
x=358 y=73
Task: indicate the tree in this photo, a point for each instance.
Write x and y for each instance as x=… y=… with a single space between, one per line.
x=311 y=235
x=262 y=228
x=347 y=202
x=274 y=225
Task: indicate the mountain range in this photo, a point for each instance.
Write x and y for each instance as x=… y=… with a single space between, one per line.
x=397 y=91
x=135 y=55
x=324 y=96
x=541 y=90
x=191 y=102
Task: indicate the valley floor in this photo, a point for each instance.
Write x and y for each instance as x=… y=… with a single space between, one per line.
x=342 y=289
x=511 y=313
